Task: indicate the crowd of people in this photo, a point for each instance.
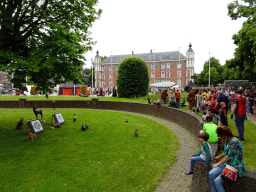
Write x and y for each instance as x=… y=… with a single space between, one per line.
x=214 y=104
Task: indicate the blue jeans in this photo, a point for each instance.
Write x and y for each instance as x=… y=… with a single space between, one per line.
x=248 y=103
x=193 y=160
x=239 y=119
x=215 y=179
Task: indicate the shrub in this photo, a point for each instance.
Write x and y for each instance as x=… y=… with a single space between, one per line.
x=33 y=91
x=84 y=90
x=132 y=78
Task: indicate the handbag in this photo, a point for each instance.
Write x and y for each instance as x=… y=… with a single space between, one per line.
x=229 y=173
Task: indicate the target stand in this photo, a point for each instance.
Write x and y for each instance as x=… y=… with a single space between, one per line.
x=58 y=118
x=35 y=126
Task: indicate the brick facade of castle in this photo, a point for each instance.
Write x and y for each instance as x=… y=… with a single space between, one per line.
x=162 y=67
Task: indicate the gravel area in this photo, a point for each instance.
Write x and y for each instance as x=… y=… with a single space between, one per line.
x=175 y=178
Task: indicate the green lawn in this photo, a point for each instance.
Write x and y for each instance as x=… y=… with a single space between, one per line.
x=135 y=100
x=106 y=157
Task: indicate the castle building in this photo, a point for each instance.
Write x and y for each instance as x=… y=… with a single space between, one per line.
x=162 y=66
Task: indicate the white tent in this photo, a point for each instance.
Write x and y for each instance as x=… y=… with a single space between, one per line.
x=163 y=84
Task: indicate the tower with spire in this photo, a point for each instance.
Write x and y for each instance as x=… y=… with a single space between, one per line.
x=190 y=64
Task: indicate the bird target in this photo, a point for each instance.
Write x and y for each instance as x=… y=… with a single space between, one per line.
x=58 y=118
x=35 y=126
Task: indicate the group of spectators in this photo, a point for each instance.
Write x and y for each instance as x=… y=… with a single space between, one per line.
x=215 y=105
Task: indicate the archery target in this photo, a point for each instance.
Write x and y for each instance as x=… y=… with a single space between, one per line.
x=35 y=126
x=58 y=118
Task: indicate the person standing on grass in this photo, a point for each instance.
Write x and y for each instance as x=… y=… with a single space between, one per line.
x=233 y=156
x=199 y=99
x=191 y=99
x=164 y=96
x=223 y=114
x=222 y=98
x=205 y=155
x=239 y=110
x=251 y=99
x=177 y=98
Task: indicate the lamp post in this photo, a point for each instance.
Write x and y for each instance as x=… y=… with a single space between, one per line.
x=209 y=70
x=111 y=70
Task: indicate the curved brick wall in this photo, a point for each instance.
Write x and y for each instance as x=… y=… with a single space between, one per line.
x=190 y=122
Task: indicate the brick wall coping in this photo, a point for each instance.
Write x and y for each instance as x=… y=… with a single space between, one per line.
x=191 y=122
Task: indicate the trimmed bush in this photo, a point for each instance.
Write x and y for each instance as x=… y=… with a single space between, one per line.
x=132 y=78
x=84 y=90
x=33 y=91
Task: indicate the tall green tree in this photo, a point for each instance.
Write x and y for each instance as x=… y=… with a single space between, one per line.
x=243 y=65
x=45 y=40
x=132 y=78
x=216 y=73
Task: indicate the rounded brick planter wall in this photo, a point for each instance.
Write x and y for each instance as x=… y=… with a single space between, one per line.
x=190 y=122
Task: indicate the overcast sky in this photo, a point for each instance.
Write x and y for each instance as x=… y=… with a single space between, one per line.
x=165 y=25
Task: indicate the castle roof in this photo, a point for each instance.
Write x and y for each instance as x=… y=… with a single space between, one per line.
x=158 y=56
x=190 y=48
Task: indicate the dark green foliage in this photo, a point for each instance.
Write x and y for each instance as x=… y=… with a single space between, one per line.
x=132 y=78
x=45 y=40
x=216 y=73
x=243 y=65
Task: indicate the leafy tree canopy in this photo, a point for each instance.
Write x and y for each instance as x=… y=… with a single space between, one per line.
x=132 y=78
x=216 y=71
x=45 y=40
x=243 y=65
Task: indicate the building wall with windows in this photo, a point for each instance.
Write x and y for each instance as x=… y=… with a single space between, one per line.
x=162 y=67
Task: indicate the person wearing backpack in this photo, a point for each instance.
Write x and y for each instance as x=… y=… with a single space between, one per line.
x=239 y=110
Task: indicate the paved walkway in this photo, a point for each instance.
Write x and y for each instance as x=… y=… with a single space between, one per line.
x=175 y=178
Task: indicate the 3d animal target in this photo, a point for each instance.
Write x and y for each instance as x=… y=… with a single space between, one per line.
x=35 y=126
x=58 y=118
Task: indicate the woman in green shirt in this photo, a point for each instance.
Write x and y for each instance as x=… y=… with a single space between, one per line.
x=233 y=155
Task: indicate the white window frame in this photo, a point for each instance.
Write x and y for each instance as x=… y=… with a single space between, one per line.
x=102 y=68
x=152 y=74
x=178 y=65
x=162 y=74
x=110 y=68
x=168 y=74
x=191 y=72
x=110 y=75
x=103 y=75
x=162 y=65
x=168 y=65
x=152 y=66
x=178 y=73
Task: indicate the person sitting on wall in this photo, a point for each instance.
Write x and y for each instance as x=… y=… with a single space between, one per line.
x=233 y=156
x=205 y=155
x=210 y=128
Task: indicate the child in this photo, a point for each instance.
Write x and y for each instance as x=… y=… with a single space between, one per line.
x=205 y=155
x=223 y=114
x=204 y=107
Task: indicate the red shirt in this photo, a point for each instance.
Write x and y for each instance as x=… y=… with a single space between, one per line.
x=177 y=95
x=164 y=94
